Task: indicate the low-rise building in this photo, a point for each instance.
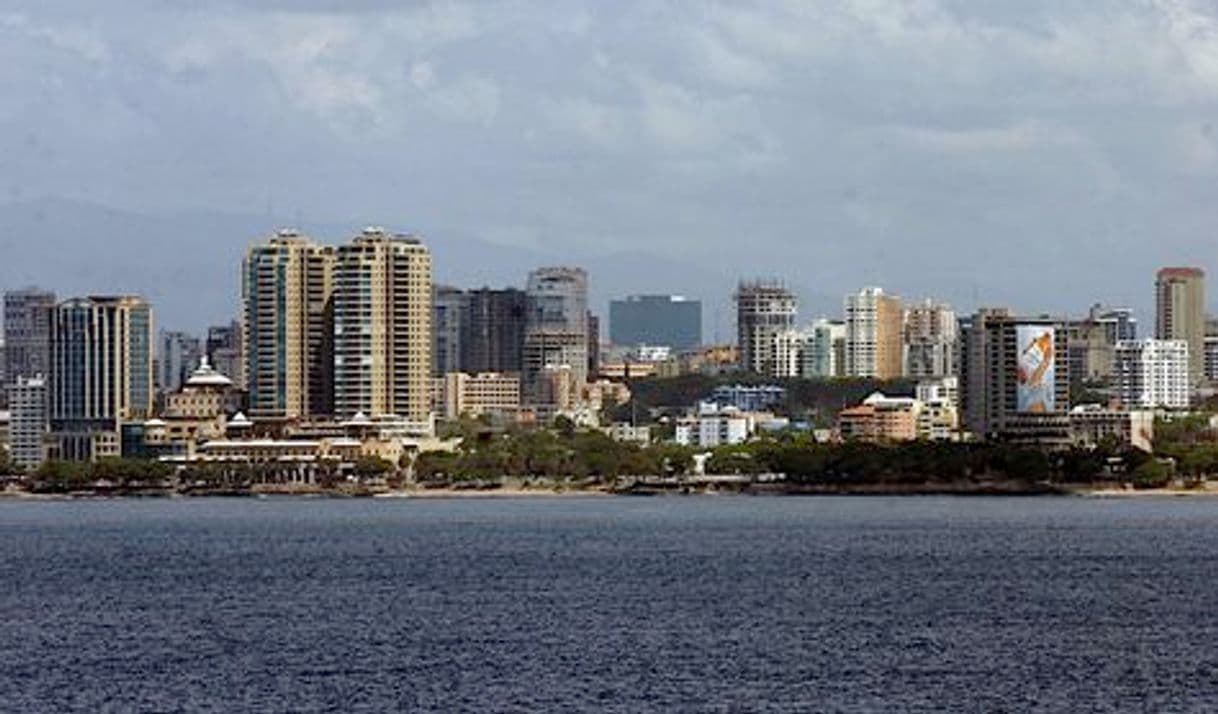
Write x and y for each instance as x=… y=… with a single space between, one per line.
x=1092 y=424
x=629 y=433
x=716 y=425
x=631 y=369
x=605 y=393
x=746 y=398
x=476 y=394
x=880 y=419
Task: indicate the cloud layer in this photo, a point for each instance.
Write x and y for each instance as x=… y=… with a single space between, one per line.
x=1040 y=153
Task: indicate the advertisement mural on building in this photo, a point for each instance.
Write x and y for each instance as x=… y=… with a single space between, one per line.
x=1035 y=392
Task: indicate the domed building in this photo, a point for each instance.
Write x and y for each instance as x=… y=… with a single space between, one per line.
x=196 y=414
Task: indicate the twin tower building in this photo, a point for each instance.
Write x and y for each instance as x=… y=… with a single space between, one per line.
x=352 y=329
x=338 y=330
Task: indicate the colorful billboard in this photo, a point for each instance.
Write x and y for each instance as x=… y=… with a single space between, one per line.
x=1036 y=391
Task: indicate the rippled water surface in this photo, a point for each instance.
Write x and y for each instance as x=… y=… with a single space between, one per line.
x=663 y=604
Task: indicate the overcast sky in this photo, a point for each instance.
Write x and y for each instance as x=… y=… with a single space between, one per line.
x=1040 y=153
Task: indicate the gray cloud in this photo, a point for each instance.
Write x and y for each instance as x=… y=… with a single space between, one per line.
x=1040 y=153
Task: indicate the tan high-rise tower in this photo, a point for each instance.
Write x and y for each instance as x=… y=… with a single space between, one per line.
x=874 y=335
x=1180 y=313
x=286 y=286
x=382 y=327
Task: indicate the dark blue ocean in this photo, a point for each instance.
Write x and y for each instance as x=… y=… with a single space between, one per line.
x=697 y=604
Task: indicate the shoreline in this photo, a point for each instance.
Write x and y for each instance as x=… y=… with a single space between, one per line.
x=970 y=490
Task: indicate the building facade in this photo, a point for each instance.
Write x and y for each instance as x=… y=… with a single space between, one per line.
x=287 y=288
x=494 y=330
x=764 y=310
x=556 y=332
x=382 y=327
x=1015 y=377
x=874 y=335
x=178 y=355
x=27 y=401
x=27 y=333
x=930 y=340
x=101 y=376
x=1180 y=313
x=824 y=350
x=1093 y=341
x=225 y=352
x=1152 y=374
x=450 y=313
x=473 y=395
x=669 y=320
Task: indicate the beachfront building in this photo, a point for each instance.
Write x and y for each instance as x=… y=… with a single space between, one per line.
x=287 y=284
x=1015 y=377
x=382 y=327
x=715 y=425
x=101 y=375
x=1093 y=424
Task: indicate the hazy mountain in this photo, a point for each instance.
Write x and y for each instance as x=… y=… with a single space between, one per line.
x=188 y=264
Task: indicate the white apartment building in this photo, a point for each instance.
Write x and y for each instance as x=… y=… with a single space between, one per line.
x=874 y=339
x=27 y=401
x=715 y=425
x=1152 y=374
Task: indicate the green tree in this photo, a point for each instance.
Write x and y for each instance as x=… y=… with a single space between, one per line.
x=372 y=467
x=60 y=476
x=1153 y=473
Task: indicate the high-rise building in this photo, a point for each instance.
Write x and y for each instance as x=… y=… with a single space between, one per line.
x=1093 y=341
x=764 y=309
x=450 y=313
x=225 y=352
x=662 y=320
x=289 y=359
x=788 y=351
x=594 y=343
x=1152 y=374
x=101 y=376
x=27 y=402
x=930 y=340
x=874 y=335
x=824 y=350
x=27 y=333
x=1180 y=313
x=556 y=332
x=494 y=336
x=179 y=354
x=1015 y=377
x=382 y=327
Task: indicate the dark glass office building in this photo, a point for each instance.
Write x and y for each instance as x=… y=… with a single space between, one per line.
x=668 y=320
x=493 y=333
